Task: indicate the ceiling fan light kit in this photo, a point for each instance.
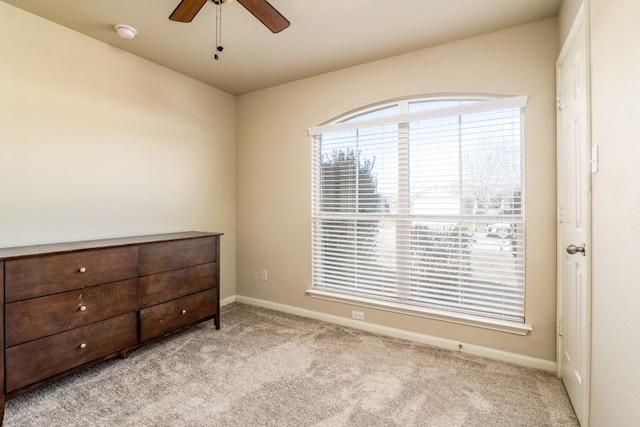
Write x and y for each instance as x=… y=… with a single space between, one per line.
x=126 y=31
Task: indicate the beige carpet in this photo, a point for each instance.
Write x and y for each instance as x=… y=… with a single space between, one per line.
x=264 y=368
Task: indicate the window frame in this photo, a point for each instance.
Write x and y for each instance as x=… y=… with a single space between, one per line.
x=353 y=117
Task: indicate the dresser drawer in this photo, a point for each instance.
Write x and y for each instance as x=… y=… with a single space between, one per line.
x=165 y=256
x=40 y=317
x=38 y=276
x=161 y=319
x=40 y=359
x=162 y=287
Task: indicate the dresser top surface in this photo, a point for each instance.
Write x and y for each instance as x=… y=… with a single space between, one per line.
x=35 y=250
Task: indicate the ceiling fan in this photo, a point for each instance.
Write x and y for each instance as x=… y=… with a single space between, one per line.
x=261 y=9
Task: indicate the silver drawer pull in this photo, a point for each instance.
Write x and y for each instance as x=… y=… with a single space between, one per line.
x=83 y=346
x=183 y=311
x=83 y=308
x=82 y=269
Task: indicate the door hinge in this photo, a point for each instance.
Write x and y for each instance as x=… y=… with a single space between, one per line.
x=559 y=102
x=559 y=331
x=560 y=215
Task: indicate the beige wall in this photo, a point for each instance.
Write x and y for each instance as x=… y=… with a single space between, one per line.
x=274 y=170
x=95 y=142
x=566 y=16
x=615 y=83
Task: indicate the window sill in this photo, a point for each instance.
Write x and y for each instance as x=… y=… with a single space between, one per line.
x=441 y=315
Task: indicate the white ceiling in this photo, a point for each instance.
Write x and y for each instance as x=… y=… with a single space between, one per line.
x=325 y=35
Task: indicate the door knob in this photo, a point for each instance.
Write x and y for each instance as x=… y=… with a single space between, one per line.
x=573 y=249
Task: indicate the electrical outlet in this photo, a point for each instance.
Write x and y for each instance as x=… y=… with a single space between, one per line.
x=358 y=315
x=263 y=274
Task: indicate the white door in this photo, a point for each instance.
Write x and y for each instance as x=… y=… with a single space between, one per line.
x=574 y=222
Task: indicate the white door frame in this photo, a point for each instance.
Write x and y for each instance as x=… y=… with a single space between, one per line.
x=580 y=23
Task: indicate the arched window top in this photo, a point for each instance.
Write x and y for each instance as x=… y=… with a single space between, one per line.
x=411 y=104
x=417 y=108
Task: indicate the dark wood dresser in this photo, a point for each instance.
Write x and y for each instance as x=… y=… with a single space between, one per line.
x=71 y=305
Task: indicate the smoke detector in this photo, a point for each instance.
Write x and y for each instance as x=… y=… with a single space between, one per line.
x=126 y=31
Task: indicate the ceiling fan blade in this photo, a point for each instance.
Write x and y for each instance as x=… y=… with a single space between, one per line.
x=266 y=14
x=187 y=10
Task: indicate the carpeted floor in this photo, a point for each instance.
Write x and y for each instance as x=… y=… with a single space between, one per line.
x=265 y=368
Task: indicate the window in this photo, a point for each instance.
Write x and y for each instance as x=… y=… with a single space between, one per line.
x=421 y=203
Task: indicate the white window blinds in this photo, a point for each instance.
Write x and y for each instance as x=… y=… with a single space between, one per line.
x=422 y=203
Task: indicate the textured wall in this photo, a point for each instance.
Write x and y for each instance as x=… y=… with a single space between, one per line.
x=615 y=83
x=274 y=160
x=95 y=142
x=566 y=16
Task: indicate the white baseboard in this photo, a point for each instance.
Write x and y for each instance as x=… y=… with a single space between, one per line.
x=504 y=356
x=227 y=301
